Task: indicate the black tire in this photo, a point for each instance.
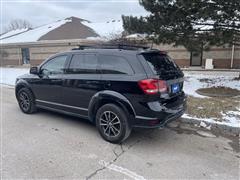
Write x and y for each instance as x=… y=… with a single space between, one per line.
x=26 y=101
x=118 y=120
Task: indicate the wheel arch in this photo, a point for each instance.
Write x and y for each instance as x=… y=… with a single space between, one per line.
x=106 y=97
x=22 y=84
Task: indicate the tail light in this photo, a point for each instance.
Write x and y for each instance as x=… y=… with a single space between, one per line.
x=153 y=86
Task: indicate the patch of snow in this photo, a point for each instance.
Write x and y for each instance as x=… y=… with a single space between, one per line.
x=136 y=36
x=96 y=38
x=106 y=29
x=234 y=113
x=192 y=82
x=8 y=75
x=204 y=24
x=230 y=121
x=232 y=117
x=13 y=32
x=206 y=134
x=34 y=34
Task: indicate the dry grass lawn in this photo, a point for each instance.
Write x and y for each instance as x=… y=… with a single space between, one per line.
x=212 y=107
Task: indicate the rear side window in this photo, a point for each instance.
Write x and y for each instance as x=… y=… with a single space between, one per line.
x=83 y=64
x=161 y=64
x=114 y=65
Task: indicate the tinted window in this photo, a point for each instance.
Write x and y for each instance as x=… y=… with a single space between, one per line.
x=83 y=63
x=55 y=65
x=160 y=63
x=114 y=65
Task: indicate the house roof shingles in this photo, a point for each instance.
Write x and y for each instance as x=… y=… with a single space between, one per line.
x=69 y=28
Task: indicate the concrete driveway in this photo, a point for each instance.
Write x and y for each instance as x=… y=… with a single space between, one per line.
x=54 y=146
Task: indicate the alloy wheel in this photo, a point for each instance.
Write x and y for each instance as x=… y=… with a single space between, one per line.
x=24 y=101
x=110 y=124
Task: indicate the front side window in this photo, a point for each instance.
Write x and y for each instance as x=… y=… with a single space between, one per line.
x=55 y=65
x=83 y=64
x=114 y=65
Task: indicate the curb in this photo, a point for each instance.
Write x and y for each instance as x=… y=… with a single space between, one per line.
x=216 y=127
x=216 y=95
x=211 y=70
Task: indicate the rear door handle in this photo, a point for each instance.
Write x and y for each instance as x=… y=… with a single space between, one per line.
x=107 y=84
x=57 y=80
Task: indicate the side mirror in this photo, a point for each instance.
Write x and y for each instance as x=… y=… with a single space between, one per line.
x=34 y=70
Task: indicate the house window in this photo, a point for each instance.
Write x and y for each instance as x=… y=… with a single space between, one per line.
x=196 y=58
x=25 y=56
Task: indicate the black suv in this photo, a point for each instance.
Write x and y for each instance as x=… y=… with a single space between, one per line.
x=116 y=88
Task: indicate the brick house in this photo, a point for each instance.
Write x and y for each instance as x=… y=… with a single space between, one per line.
x=224 y=57
x=31 y=47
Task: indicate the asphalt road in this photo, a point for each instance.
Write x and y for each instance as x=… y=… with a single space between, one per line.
x=54 y=146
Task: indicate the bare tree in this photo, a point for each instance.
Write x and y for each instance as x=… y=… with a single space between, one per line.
x=18 y=24
x=113 y=36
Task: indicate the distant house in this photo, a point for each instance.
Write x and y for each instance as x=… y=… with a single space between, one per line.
x=32 y=46
x=223 y=57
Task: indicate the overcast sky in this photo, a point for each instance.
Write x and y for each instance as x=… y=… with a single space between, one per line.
x=40 y=12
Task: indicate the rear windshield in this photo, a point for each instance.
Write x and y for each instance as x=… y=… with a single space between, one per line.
x=163 y=65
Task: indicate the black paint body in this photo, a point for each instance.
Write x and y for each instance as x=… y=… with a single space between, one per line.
x=82 y=94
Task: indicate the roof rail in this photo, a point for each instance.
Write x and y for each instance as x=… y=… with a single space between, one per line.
x=111 y=46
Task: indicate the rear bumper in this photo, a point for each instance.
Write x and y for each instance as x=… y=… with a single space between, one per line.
x=162 y=117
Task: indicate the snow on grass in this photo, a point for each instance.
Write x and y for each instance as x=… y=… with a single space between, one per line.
x=197 y=80
x=8 y=75
x=229 y=120
x=106 y=29
x=232 y=118
x=34 y=34
x=191 y=84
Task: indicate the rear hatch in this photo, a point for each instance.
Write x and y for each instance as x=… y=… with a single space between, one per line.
x=161 y=66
